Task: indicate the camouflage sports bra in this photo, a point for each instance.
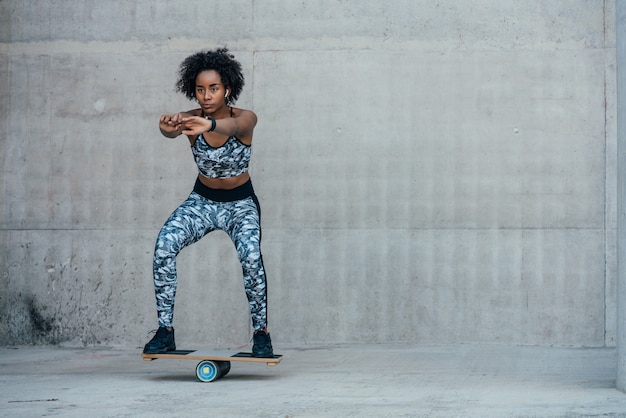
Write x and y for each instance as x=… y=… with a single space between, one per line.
x=229 y=160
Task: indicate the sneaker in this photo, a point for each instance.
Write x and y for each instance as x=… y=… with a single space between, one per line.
x=163 y=341
x=262 y=346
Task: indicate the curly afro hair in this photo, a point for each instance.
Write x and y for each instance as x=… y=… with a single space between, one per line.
x=219 y=60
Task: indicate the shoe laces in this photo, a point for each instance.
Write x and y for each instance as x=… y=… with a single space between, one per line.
x=261 y=338
x=159 y=332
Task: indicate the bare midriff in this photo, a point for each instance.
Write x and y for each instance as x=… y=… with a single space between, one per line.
x=226 y=183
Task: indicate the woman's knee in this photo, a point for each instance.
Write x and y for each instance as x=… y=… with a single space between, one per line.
x=251 y=259
x=169 y=242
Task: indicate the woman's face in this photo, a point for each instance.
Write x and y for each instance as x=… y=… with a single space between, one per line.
x=210 y=91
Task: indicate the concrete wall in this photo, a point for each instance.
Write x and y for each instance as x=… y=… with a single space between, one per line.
x=620 y=29
x=429 y=172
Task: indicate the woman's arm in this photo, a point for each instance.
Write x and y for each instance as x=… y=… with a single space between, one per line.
x=240 y=125
x=171 y=125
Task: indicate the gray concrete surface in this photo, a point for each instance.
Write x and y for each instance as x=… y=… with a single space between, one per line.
x=337 y=381
x=430 y=172
x=620 y=30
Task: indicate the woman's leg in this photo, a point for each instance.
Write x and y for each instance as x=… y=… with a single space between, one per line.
x=244 y=228
x=192 y=220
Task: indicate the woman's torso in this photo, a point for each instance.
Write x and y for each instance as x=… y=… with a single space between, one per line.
x=222 y=161
x=226 y=165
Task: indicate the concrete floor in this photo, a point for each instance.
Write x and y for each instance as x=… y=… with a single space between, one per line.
x=342 y=381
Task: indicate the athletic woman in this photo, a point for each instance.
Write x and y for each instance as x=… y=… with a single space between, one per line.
x=220 y=136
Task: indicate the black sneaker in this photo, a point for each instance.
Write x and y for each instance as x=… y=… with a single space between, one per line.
x=262 y=346
x=162 y=342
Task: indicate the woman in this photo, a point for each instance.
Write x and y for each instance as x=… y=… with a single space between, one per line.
x=222 y=198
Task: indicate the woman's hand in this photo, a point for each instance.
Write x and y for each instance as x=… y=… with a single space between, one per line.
x=195 y=125
x=171 y=125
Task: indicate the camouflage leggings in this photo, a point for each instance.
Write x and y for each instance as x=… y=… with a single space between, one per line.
x=192 y=220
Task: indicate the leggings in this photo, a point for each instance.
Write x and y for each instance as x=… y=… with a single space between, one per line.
x=237 y=213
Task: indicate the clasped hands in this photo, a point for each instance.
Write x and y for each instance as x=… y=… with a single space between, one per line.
x=184 y=123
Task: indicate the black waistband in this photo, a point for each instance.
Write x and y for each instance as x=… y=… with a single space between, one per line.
x=224 y=195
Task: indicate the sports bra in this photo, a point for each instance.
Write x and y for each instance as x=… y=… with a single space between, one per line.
x=228 y=160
